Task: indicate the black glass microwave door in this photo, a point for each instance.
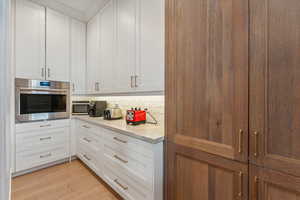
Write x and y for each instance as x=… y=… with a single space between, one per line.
x=42 y=103
x=77 y=108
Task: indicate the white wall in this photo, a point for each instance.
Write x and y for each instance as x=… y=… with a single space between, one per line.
x=5 y=99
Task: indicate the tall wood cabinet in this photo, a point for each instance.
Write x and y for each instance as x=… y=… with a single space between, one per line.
x=275 y=85
x=216 y=87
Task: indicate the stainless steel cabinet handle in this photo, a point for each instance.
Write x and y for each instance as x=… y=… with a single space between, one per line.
x=119 y=140
x=43 y=73
x=46 y=138
x=256 y=182
x=73 y=86
x=46 y=155
x=87 y=140
x=120 y=159
x=122 y=186
x=97 y=86
x=85 y=126
x=240 y=141
x=256 y=134
x=86 y=157
x=43 y=126
x=135 y=81
x=49 y=73
x=131 y=81
x=241 y=184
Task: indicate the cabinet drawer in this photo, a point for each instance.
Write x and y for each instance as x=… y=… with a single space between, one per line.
x=25 y=127
x=29 y=159
x=87 y=127
x=89 y=139
x=126 y=143
x=41 y=139
x=127 y=188
x=91 y=159
x=132 y=165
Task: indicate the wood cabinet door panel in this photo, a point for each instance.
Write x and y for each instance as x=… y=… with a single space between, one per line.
x=266 y=184
x=275 y=84
x=195 y=175
x=207 y=76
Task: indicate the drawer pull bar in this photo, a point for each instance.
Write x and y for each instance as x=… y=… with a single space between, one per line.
x=119 y=140
x=241 y=184
x=256 y=134
x=241 y=141
x=46 y=138
x=85 y=126
x=256 y=187
x=45 y=156
x=87 y=140
x=43 y=126
x=86 y=157
x=120 y=159
x=122 y=186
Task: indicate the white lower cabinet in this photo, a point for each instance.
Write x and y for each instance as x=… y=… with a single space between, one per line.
x=41 y=143
x=132 y=167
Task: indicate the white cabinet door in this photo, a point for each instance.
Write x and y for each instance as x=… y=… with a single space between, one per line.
x=78 y=56
x=57 y=46
x=93 y=61
x=107 y=48
x=126 y=45
x=30 y=40
x=150 y=67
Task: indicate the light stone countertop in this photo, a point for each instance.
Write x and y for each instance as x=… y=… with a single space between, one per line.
x=147 y=132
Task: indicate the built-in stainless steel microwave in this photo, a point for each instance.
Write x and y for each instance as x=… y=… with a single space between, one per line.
x=41 y=100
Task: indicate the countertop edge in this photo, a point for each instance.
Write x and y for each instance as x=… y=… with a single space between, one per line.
x=122 y=131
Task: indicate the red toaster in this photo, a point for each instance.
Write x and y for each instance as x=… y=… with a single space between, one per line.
x=136 y=116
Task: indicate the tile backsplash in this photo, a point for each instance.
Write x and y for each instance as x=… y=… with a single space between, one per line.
x=155 y=104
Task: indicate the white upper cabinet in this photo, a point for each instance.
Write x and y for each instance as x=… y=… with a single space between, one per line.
x=30 y=40
x=126 y=45
x=93 y=60
x=107 y=37
x=78 y=56
x=57 y=46
x=150 y=59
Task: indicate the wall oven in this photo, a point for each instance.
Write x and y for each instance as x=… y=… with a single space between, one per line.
x=41 y=100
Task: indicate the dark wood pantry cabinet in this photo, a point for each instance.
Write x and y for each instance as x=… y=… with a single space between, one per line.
x=231 y=63
x=275 y=84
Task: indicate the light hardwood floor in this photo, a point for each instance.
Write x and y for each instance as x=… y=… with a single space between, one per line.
x=71 y=181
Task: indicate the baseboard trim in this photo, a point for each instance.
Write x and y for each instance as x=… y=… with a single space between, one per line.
x=28 y=171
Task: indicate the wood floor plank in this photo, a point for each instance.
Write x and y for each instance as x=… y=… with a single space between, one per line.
x=70 y=181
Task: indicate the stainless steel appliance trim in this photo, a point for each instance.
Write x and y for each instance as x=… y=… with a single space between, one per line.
x=27 y=86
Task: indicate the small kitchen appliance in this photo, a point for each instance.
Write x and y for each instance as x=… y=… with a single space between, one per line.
x=136 y=116
x=80 y=107
x=113 y=113
x=96 y=108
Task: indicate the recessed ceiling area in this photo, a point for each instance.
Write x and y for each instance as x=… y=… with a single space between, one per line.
x=79 y=9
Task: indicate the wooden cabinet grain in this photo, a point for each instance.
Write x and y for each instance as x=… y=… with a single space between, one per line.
x=207 y=76
x=267 y=184
x=275 y=84
x=193 y=174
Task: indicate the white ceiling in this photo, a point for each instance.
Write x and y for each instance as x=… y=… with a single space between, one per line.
x=80 y=9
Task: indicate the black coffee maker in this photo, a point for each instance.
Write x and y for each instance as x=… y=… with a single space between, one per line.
x=96 y=108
